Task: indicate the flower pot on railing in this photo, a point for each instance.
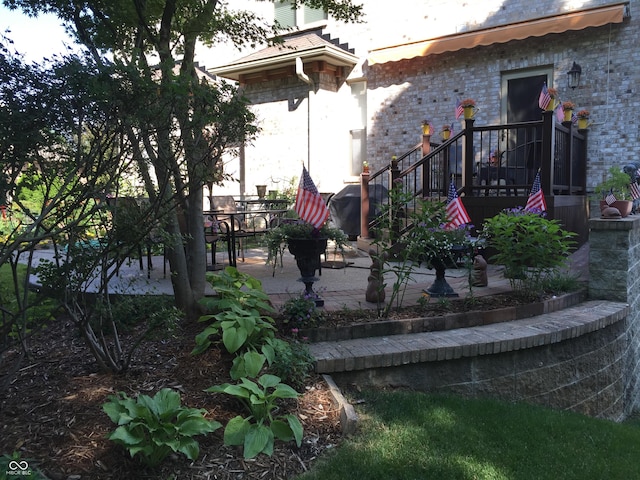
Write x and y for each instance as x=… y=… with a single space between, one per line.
x=583 y=123
x=568 y=113
x=307 y=253
x=469 y=112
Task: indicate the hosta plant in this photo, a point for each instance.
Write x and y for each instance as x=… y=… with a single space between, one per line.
x=257 y=432
x=156 y=426
x=238 y=313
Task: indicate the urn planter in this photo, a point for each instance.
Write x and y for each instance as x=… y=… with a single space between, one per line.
x=307 y=253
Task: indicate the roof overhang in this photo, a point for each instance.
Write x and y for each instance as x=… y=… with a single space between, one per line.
x=285 y=60
x=594 y=17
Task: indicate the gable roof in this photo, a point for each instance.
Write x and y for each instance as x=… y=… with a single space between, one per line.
x=310 y=45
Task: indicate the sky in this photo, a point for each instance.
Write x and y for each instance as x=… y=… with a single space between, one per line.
x=35 y=38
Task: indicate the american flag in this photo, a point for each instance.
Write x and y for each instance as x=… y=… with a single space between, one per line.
x=456 y=213
x=310 y=205
x=459 y=109
x=536 y=200
x=635 y=190
x=545 y=97
x=560 y=113
x=610 y=197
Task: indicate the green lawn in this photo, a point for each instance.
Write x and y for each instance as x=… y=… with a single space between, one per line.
x=405 y=435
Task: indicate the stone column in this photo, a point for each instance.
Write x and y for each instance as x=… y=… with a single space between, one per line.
x=614 y=274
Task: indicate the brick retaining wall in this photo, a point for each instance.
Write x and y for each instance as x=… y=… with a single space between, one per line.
x=584 y=358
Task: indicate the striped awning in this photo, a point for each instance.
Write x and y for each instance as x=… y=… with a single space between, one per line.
x=594 y=17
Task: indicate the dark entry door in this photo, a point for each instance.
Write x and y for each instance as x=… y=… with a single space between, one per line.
x=523 y=145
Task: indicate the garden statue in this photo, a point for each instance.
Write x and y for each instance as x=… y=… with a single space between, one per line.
x=375 y=289
x=479 y=273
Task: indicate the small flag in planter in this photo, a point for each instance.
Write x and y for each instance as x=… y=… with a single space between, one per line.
x=310 y=205
x=536 y=199
x=610 y=198
x=560 y=113
x=545 y=97
x=456 y=213
x=635 y=190
x=459 y=109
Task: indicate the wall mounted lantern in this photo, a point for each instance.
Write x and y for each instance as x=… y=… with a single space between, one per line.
x=573 y=75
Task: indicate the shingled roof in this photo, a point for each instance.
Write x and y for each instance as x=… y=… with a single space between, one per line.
x=309 y=45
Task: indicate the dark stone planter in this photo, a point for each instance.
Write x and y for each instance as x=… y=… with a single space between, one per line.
x=440 y=288
x=307 y=253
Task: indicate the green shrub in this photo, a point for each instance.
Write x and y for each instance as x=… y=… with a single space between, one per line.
x=529 y=246
x=292 y=363
x=301 y=312
x=155 y=427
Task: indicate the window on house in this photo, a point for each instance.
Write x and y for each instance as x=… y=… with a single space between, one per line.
x=287 y=16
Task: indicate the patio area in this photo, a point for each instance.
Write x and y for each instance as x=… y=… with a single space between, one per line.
x=339 y=287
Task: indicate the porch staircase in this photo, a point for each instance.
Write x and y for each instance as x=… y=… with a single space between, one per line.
x=556 y=151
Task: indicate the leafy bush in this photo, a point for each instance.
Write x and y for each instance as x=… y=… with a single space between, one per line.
x=258 y=431
x=529 y=246
x=155 y=427
x=292 y=363
x=301 y=312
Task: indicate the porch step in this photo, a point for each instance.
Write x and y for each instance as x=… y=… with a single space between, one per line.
x=544 y=329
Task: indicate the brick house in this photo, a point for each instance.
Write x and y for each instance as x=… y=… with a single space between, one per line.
x=336 y=95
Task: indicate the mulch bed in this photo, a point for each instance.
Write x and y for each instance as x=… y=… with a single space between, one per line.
x=51 y=411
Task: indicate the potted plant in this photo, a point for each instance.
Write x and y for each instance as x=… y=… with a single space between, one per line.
x=435 y=242
x=469 y=107
x=426 y=127
x=583 y=119
x=306 y=243
x=616 y=184
x=445 y=133
x=568 y=107
x=553 y=93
